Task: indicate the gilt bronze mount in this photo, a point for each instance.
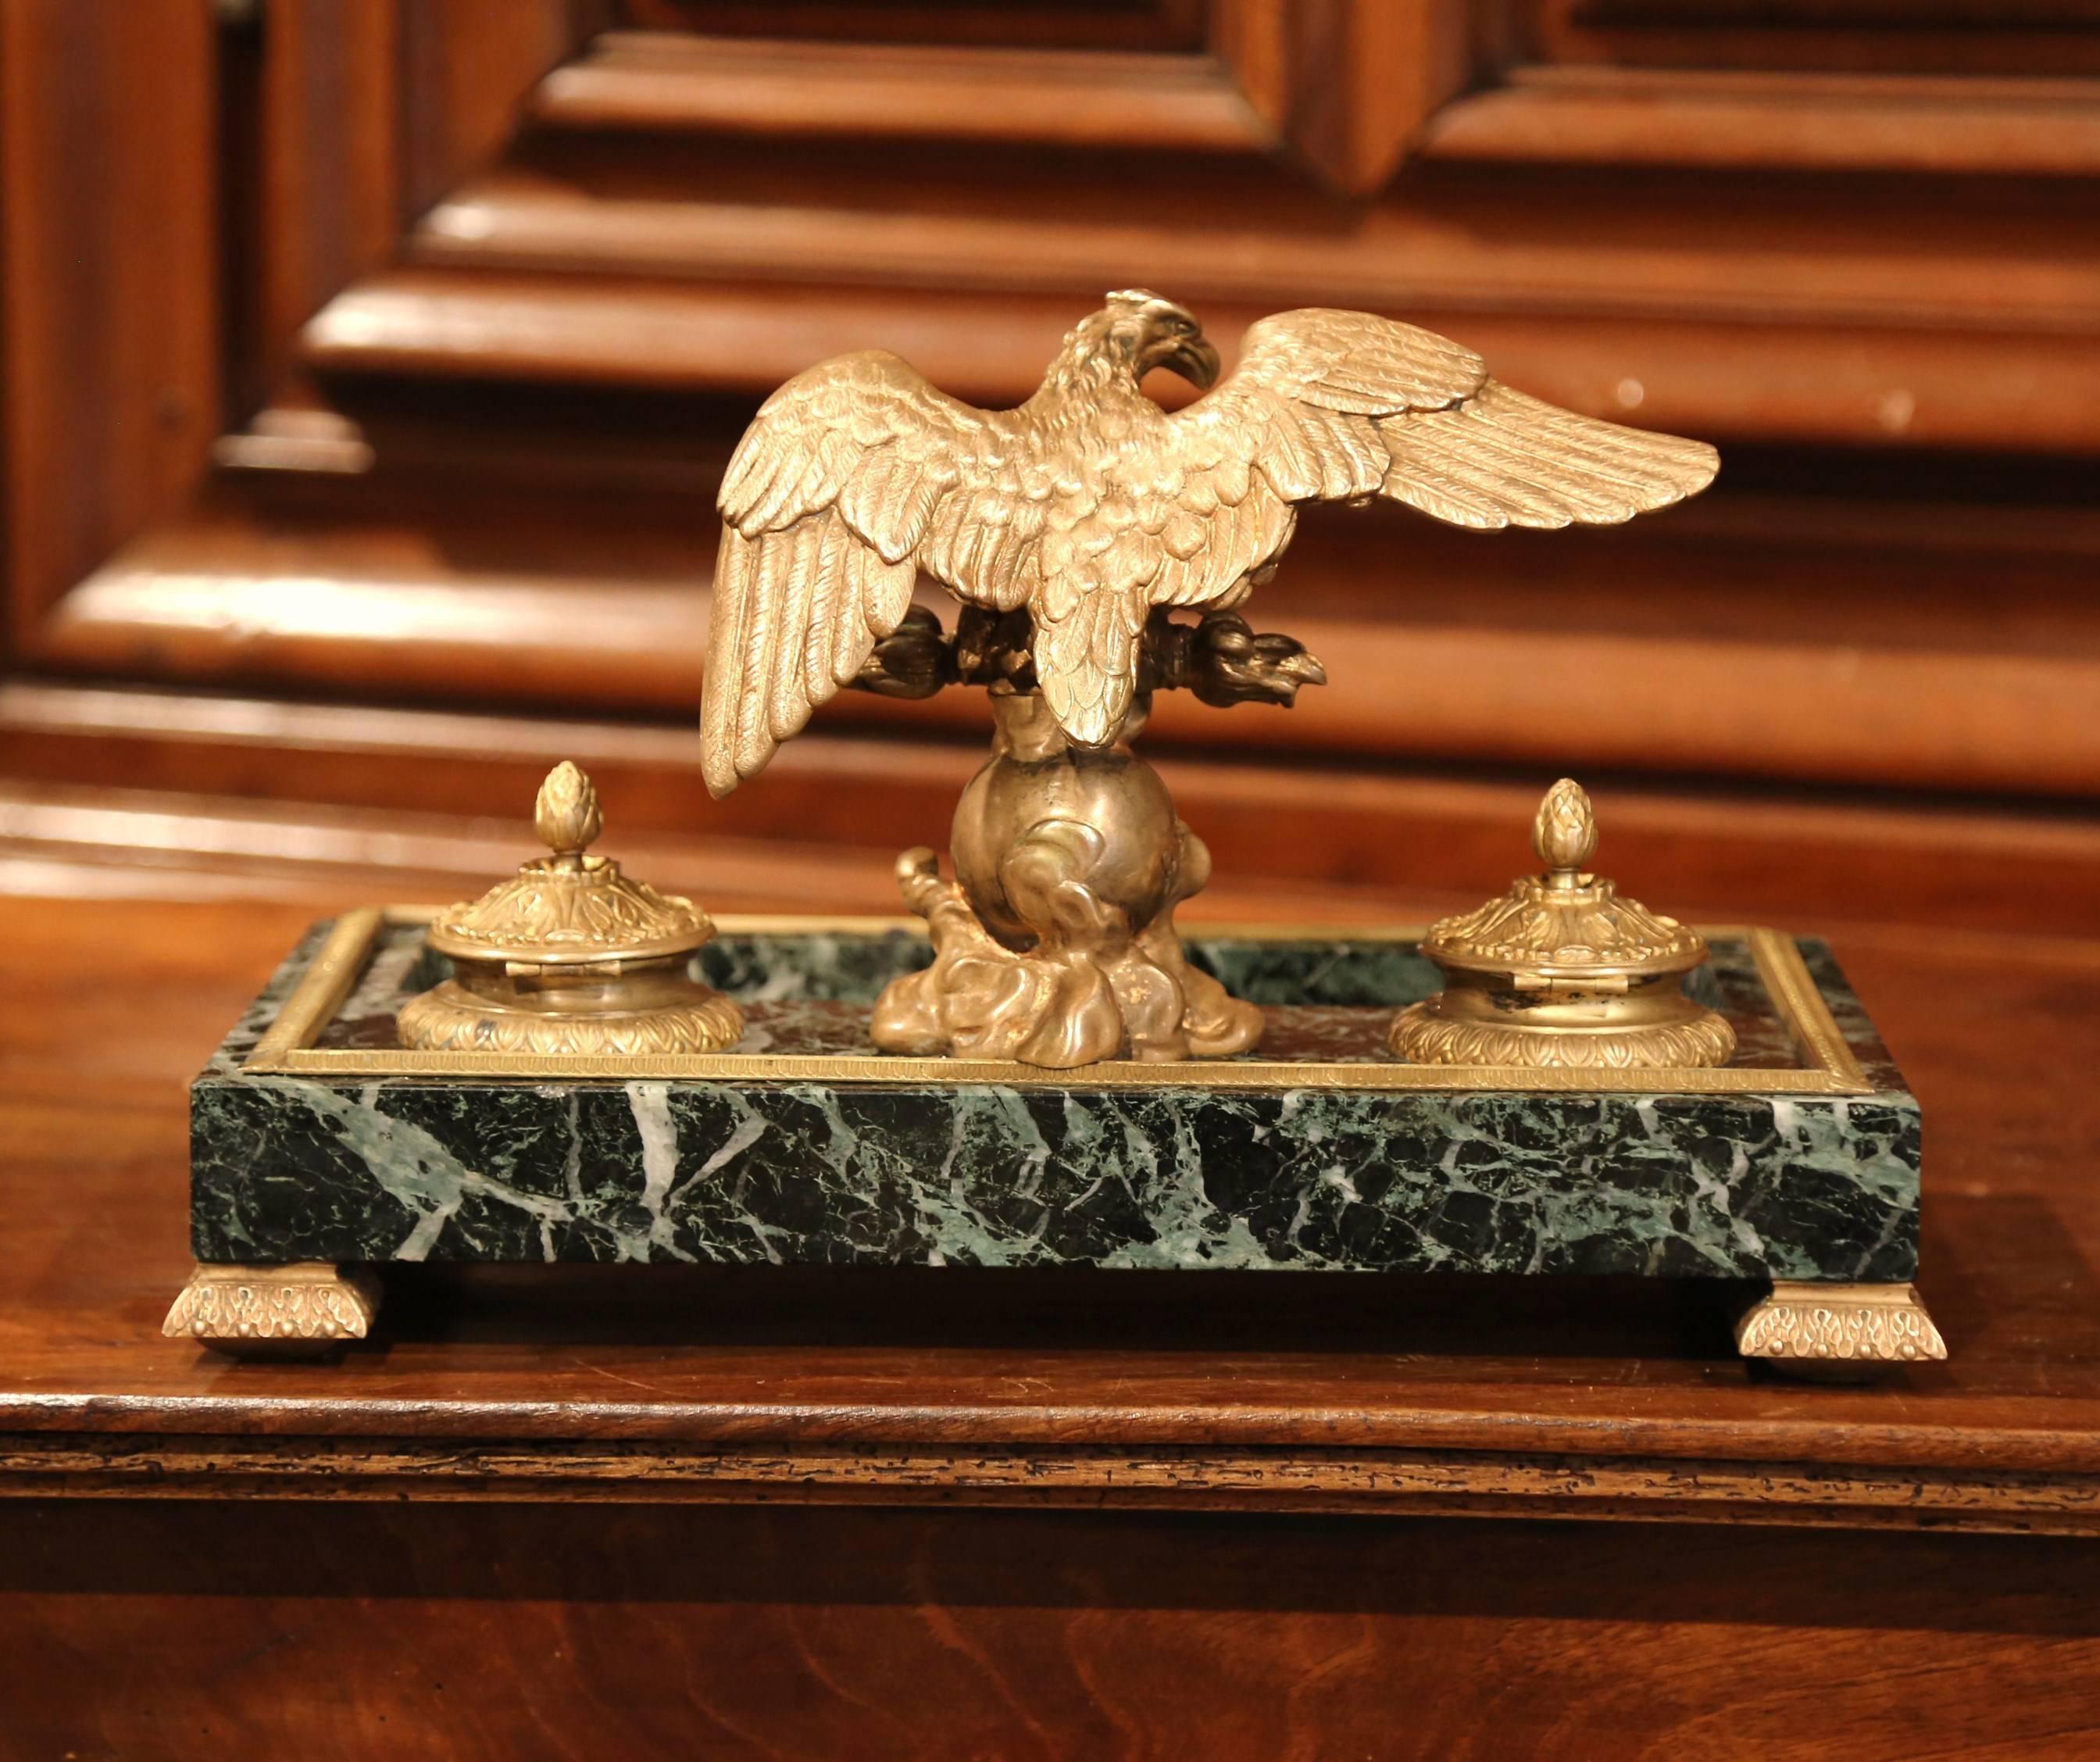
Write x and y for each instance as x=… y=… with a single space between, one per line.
x=1035 y=1072
x=318 y=1145
x=1101 y=547
x=570 y=956
x=1561 y=971
x=1839 y=1333
x=300 y=1310
x=1055 y=945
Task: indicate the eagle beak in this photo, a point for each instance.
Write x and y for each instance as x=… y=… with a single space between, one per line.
x=1196 y=361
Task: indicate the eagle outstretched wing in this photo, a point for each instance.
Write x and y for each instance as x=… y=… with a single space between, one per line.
x=1335 y=405
x=854 y=477
x=1324 y=406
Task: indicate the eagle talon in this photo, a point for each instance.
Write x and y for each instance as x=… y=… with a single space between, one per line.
x=913 y=660
x=1224 y=662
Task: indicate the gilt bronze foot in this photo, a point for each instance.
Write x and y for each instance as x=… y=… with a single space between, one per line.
x=1839 y=1333
x=1055 y=945
x=302 y=1309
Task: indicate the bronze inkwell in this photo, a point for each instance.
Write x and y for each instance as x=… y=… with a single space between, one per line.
x=1561 y=971
x=570 y=956
x=1041 y=1077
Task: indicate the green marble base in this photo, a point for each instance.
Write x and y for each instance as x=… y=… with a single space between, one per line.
x=1318 y=1153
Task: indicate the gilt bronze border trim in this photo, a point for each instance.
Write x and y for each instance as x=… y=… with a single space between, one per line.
x=286 y=1050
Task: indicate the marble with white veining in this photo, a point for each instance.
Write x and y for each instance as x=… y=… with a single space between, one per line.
x=1289 y=1177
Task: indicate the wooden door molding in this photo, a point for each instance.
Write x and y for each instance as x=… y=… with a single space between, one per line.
x=645 y=82
x=1795 y=121
x=514 y=278
x=1350 y=85
x=109 y=340
x=140 y=147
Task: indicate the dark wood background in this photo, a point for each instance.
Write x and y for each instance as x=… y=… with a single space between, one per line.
x=365 y=369
x=369 y=364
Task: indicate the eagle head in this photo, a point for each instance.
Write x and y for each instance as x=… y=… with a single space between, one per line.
x=1141 y=331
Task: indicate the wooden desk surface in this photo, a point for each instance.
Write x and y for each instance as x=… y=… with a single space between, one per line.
x=690 y=1457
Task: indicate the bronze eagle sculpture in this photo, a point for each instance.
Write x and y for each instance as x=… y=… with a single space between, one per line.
x=1091 y=505
x=1074 y=529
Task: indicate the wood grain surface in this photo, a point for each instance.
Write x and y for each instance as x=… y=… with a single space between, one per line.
x=110 y=342
x=903 y=1360
x=475 y=298
x=529 y=1632
x=757 y=1513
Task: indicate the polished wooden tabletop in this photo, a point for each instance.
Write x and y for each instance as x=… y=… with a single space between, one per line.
x=582 y=1511
x=1291 y=1393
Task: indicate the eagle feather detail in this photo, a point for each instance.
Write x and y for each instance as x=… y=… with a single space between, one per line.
x=1090 y=504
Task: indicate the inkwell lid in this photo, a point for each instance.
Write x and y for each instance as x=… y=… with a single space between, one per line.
x=1565 y=927
x=569 y=908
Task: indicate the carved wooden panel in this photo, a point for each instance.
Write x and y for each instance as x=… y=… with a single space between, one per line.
x=109 y=345
x=1062 y=24
x=477 y=298
x=1970 y=38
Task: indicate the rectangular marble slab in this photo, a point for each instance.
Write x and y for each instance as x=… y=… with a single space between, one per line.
x=1316 y=1175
